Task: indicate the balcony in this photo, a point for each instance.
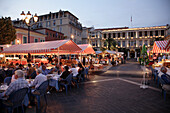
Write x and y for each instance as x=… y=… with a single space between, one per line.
x=77 y=25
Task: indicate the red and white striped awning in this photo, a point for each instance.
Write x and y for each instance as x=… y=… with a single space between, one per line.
x=161 y=46
x=65 y=46
x=86 y=49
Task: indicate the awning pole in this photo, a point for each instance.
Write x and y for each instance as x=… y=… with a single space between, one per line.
x=34 y=59
x=58 y=56
x=81 y=57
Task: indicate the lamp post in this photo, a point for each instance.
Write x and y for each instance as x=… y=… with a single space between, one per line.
x=17 y=41
x=72 y=37
x=27 y=19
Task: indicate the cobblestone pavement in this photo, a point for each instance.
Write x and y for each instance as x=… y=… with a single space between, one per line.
x=114 y=91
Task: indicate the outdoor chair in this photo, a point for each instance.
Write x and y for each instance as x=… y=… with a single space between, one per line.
x=9 y=73
x=41 y=91
x=155 y=75
x=164 y=91
x=74 y=79
x=81 y=77
x=86 y=71
x=15 y=100
x=7 y=80
x=68 y=81
x=2 y=76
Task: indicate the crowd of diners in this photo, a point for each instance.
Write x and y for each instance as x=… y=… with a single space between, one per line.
x=21 y=74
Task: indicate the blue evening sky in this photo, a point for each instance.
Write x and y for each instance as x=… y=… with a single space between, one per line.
x=97 y=13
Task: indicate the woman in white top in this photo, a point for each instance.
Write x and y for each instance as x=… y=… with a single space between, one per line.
x=74 y=70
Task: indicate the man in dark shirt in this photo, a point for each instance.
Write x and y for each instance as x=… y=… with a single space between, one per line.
x=65 y=73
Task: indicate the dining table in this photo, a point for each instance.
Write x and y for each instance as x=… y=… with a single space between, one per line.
x=53 y=80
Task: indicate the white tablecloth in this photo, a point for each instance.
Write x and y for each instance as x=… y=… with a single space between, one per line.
x=54 y=80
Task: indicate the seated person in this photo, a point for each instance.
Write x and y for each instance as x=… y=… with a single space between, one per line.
x=74 y=70
x=39 y=79
x=19 y=83
x=81 y=68
x=65 y=73
x=46 y=71
x=20 y=67
x=165 y=77
x=80 y=71
x=11 y=65
x=30 y=70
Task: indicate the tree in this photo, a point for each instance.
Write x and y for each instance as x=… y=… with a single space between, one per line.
x=7 y=31
x=111 y=43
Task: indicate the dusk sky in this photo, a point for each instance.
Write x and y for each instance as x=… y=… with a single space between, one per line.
x=97 y=13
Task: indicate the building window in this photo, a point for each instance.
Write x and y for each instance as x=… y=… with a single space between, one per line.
x=41 y=40
x=114 y=35
x=40 y=18
x=48 y=24
x=104 y=35
x=109 y=35
x=96 y=43
x=56 y=15
x=129 y=42
x=45 y=17
x=53 y=35
x=53 y=22
x=132 y=44
x=135 y=43
x=145 y=33
x=70 y=29
x=60 y=29
x=140 y=33
x=146 y=42
x=162 y=32
x=156 y=33
x=140 y=43
x=118 y=43
x=151 y=33
x=123 y=34
x=60 y=21
x=75 y=32
x=24 y=39
x=47 y=33
x=54 y=29
x=35 y=40
x=123 y=43
x=49 y=16
x=131 y=34
x=118 y=35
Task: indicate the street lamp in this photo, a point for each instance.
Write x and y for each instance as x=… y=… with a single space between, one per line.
x=72 y=37
x=27 y=19
x=17 y=41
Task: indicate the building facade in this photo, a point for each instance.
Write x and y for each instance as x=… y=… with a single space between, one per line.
x=132 y=39
x=62 y=21
x=51 y=35
x=92 y=36
x=22 y=36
